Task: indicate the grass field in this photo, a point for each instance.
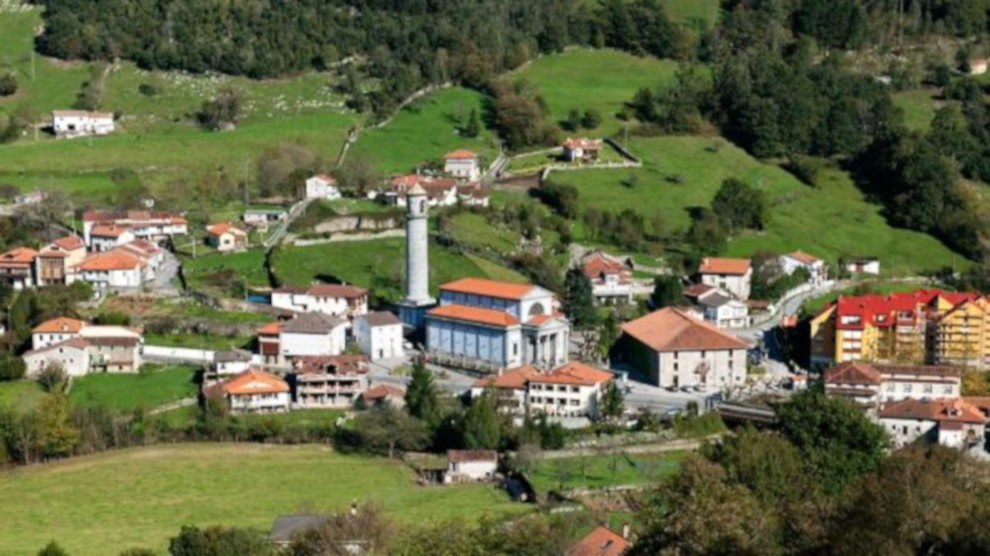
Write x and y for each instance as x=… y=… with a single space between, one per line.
x=689 y=11
x=197 y=341
x=377 y=264
x=919 y=107
x=249 y=265
x=102 y=504
x=603 y=80
x=427 y=129
x=20 y=394
x=127 y=392
x=597 y=471
x=829 y=221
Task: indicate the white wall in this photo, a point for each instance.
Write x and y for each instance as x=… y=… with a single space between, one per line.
x=332 y=343
x=74 y=361
x=169 y=353
x=725 y=368
x=379 y=342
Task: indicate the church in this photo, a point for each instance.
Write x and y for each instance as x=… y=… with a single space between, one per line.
x=485 y=324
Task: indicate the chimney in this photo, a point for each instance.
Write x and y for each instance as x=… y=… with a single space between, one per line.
x=625 y=530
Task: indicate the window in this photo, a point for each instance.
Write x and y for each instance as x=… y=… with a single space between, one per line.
x=515 y=348
x=891 y=387
x=947 y=389
x=675 y=367
x=574 y=389
x=536 y=309
x=928 y=388
x=907 y=388
x=703 y=354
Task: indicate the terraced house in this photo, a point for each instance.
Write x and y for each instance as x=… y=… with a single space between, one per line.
x=921 y=326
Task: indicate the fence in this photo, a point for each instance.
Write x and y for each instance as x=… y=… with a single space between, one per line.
x=172 y=354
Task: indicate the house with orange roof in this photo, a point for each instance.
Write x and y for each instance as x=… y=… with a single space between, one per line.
x=104 y=237
x=83 y=348
x=462 y=164
x=731 y=275
x=570 y=390
x=510 y=386
x=252 y=391
x=385 y=393
x=112 y=269
x=496 y=325
x=817 y=270
x=601 y=541
x=611 y=279
x=677 y=350
x=872 y=384
x=225 y=237
x=322 y=186
x=581 y=149
x=338 y=300
x=17 y=267
x=154 y=226
x=955 y=423
x=73 y=247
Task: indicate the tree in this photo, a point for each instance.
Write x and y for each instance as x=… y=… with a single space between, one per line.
x=223 y=111
x=283 y=168
x=337 y=534
x=740 y=206
x=218 y=541
x=613 y=403
x=421 y=395
x=52 y=549
x=835 y=438
x=609 y=333
x=359 y=173
x=573 y=121
x=481 y=427
x=8 y=84
x=707 y=235
x=52 y=377
x=59 y=436
x=579 y=302
x=644 y=105
x=473 y=127
x=668 y=291
x=11 y=367
x=591 y=119
x=383 y=429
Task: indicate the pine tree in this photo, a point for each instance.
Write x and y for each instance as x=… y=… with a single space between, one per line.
x=473 y=126
x=421 y=396
x=481 y=426
x=579 y=303
x=667 y=291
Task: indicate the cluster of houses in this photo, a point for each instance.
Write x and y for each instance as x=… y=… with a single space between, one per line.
x=116 y=250
x=80 y=348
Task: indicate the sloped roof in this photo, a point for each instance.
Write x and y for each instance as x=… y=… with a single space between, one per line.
x=697 y=290
x=19 y=255
x=342 y=364
x=460 y=456
x=671 y=329
x=69 y=243
x=598 y=263
x=479 y=315
x=115 y=259
x=574 y=372
x=853 y=372
x=59 y=325
x=108 y=230
x=312 y=323
x=254 y=381
x=232 y=355
x=721 y=265
x=512 y=379
x=803 y=257
x=489 y=288
x=221 y=228
x=381 y=318
x=460 y=154
x=337 y=290
x=270 y=328
x=940 y=410
x=601 y=541
x=582 y=143
x=380 y=391
x=879 y=310
x=132 y=216
x=327 y=178
x=73 y=343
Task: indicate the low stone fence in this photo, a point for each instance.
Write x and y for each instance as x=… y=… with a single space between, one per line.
x=170 y=354
x=337 y=238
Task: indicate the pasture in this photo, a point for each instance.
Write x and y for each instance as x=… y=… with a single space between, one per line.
x=152 y=387
x=105 y=503
x=603 y=470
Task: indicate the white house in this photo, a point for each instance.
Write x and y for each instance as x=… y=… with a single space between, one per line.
x=862 y=265
x=154 y=226
x=581 y=149
x=677 y=350
x=951 y=422
x=17 y=267
x=322 y=186
x=731 y=275
x=107 y=236
x=231 y=362
x=112 y=269
x=723 y=310
x=83 y=348
x=328 y=381
x=440 y=192
x=252 y=391
x=798 y=259
x=510 y=388
x=150 y=254
x=225 y=237
x=72 y=355
x=611 y=280
x=379 y=334
x=873 y=384
x=307 y=334
x=571 y=390
x=462 y=164
x=261 y=218
x=338 y=300
x=471 y=465
x=55 y=331
x=78 y=123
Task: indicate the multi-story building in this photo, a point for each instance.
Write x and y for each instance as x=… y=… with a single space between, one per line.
x=337 y=300
x=462 y=164
x=951 y=422
x=379 y=335
x=83 y=348
x=817 y=270
x=112 y=269
x=611 y=280
x=154 y=226
x=496 y=325
x=676 y=350
x=731 y=275
x=873 y=384
x=17 y=267
x=921 y=326
x=104 y=237
x=322 y=186
x=252 y=391
x=326 y=382
x=570 y=390
x=307 y=334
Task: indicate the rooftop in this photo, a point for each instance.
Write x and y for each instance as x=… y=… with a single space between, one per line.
x=940 y=410
x=489 y=288
x=601 y=541
x=574 y=372
x=336 y=364
x=512 y=379
x=221 y=228
x=59 y=325
x=19 y=255
x=457 y=456
x=720 y=265
x=69 y=243
x=674 y=330
x=456 y=311
x=311 y=323
x=382 y=391
x=109 y=230
x=460 y=154
x=254 y=381
x=115 y=259
x=381 y=318
x=803 y=257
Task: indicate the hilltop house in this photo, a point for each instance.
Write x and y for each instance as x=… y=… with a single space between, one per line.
x=379 y=335
x=496 y=325
x=225 y=237
x=338 y=300
x=816 y=268
x=731 y=275
x=327 y=382
x=322 y=186
x=306 y=334
x=462 y=164
x=83 y=348
x=252 y=391
x=581 y=149
x=611 y=280
x=79 y=123
x=676 y=350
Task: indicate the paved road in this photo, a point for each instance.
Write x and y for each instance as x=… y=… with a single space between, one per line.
x=283 y=226
x=166 y=272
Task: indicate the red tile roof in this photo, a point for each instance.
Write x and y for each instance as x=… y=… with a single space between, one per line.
x=512 y=379
x=254 y=381
x=115 y=259
x=339 y=364
x=697 y=290
x=53 y=254
x=597 y=264
x=74 y=343
x=601 y=541
x=460 y=456
x=108 y=230
x=143 y=216
x=803 y=257
x=882 y=310
x=941 y=410
x=60 y=324
x=574 y=372
x=479 y=315
x=327 y=178
x=337 y=290
x=69 y=243
x=853 y=372
x=719 y=265
x=221 y=228
x=460 y=154
x=380 y=391
x=582 y=143
x=674 y=330
x=488 y=288
x=19 y=256
x=270 y=329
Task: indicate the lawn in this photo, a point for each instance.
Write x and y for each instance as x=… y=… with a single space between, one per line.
x=919 y=107
x=150 y=388
x=597 y=470
x=376 y=264
x=197 y=341
x=20 y=394
x=688 y=11
x=427 y=129
x=249 y=266
x=103 y=504
x=602 y=80
x=680 y=173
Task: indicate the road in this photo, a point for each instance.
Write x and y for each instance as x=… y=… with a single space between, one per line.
x=283 y=227
x=166 y=272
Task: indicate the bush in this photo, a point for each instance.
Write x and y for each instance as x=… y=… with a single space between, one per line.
x=8 y=84
x=11 y=367
x=118 y=318
x=807 y=168
x=591 y=119
x=147 y=89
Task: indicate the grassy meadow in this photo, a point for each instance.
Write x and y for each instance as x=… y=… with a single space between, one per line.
x=20 y=395
x=428 y=128
x=127 y=392
x=249 y=266
x=376 y=264
x=919 y=106
x=103 y=504
x=603 y=470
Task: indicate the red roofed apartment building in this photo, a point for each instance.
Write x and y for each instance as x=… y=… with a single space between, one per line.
x=731 y=275
x=922 y=326
x=611 y=280
x=570 y=390
x=252 y=391
x=676 y=350
x=491 y=325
